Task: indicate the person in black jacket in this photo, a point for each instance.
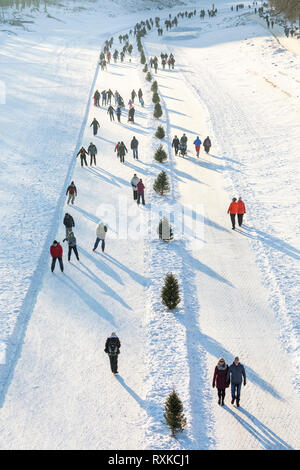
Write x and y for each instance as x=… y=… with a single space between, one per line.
x=72 y=191
x=68 y=223
x=134 y=146
x=122 y=150
x=112 y=348
x=175 y=144
x=236 y=373
x=111 y=111
x=95 y=125
x=131 y=115
x=82 y=152
x=92 y=151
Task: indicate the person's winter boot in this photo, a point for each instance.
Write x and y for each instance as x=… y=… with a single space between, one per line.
x=219 y=401
x=222 y=402
x=238 y=403
x=232 y=401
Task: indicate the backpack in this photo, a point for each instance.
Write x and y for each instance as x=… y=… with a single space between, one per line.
x=113 y=347
x=105 y=228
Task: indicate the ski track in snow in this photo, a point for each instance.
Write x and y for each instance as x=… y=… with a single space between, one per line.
x=62 y=377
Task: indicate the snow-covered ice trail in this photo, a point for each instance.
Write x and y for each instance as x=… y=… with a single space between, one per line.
x=238 y=314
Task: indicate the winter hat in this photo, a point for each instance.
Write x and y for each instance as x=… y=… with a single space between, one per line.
x=234 y=199
x=113 y=335
x=236 y=358
x=55 y=242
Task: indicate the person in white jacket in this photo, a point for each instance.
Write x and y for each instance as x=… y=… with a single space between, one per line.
x=101 y=234
x=134 y=182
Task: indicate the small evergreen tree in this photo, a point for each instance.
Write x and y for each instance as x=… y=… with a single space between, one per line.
x=145 y=69
x=160 y=155
x=161 y=184
x=143 y=58
x=160 y=133
x=149 y=77
x=154 y=87
x=164 y=230
x=170 y=292
x=173 y=414
x=157 y=111
x=155 y=98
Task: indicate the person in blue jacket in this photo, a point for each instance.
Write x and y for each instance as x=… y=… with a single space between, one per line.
x=197 y=144
x=236 y=373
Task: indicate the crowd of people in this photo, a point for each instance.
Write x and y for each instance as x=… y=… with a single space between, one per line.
x=224 y=375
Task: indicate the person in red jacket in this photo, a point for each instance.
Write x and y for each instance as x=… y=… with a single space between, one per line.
x=219 y=379
x=240 y=211
x=56 y=252
x=232 y=210
x=140 y=192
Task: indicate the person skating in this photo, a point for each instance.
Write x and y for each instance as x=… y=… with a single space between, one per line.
x=183 y=145
x=68 y=223
x=134 y=146
x=142 y=102
x=133 y=95
x=104 y=96
x=140 y=192
x=207 y=144
x=118 y=113
x=111 y=111
x=134 y=183
x=236 y=374
x=97 y=98
x=219 y=379
x=140 y=94
x=117 y=149
x=131 y=115
x=95 y=125
x=100 y=236
x=232 y=210
x=175 y=144
x=72 y=191
x=71 y=239
x=92 y=151
x=122 y=150
x=155 y=66
x=82 y=152
x=56 y=252
x=112 y=348
x=197 y=144
x=241 y=210
x=109 y=95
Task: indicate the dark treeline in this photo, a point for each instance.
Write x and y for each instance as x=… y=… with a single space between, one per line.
x=289 y=8
x=19 y=4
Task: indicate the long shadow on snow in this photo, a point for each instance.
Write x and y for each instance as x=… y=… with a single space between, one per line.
x=108 y=290
x=87 y=298
x=144 y=281
x=267 y=438
x=213 y=166
x=89 y=216
x=272 y=241
x=98 y=172
x=227 y=159
x=102 y=266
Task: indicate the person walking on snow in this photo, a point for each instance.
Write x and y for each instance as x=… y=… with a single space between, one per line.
x=140 y=94
x=92 y=151
x=100 y=234
x=95 y=125
x=140 y=192
x=197 y=144
x=82 y=152
x=118 y=113
x=133 y=95
x=175 y=144
x=219 y=380
x=111 y=111
x=236 y=373
x=122 y=150
x=134 y=146
x=56 y=252
x=232 y=210
x=131 y=115
x=207 y=144
x=68 y=223
x=130 y=103
x=71 y=239
x=109 y=95
x=112 y=348
x=104 y=96
x=134 y=183
x=241 y=210
x=97 y=98
x=72 y=191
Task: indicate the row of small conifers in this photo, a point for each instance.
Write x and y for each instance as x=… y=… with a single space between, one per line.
x=170 y=296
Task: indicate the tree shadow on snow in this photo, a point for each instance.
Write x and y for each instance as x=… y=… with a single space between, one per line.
x=267 y=438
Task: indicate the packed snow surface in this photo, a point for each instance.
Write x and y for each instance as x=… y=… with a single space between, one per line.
x=234 y=81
